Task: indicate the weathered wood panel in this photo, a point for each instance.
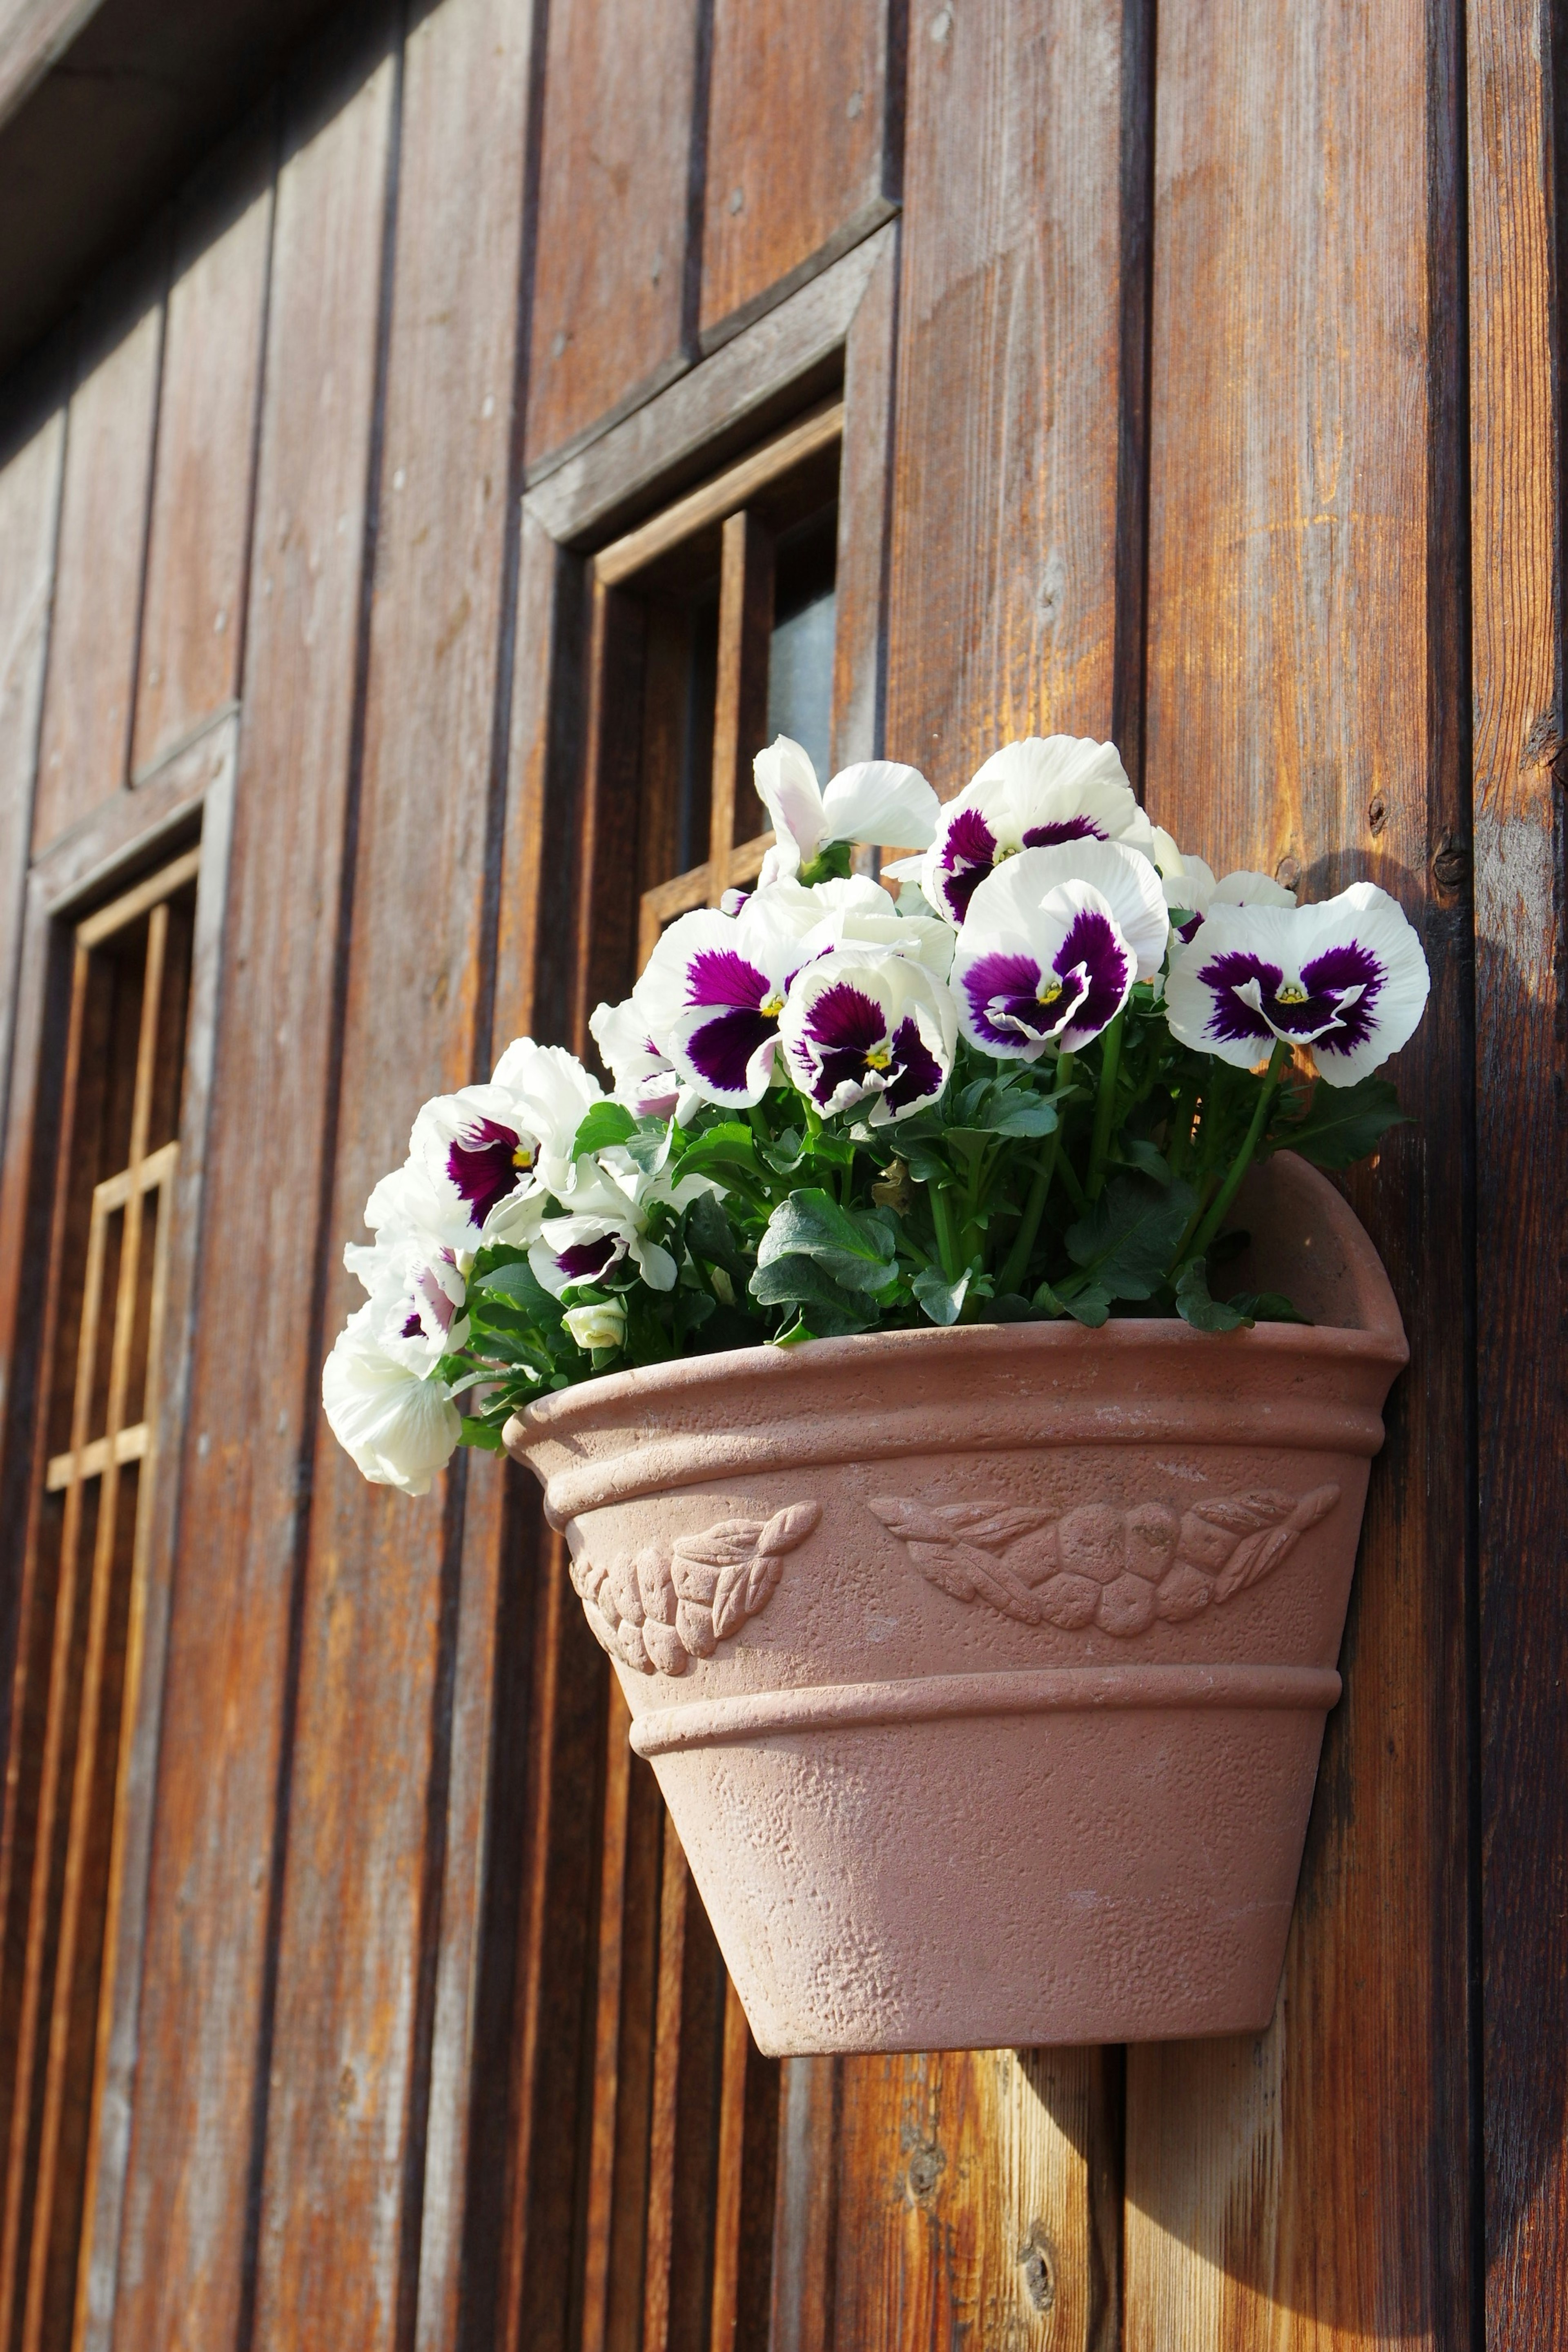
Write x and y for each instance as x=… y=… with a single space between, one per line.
x=1005 y=493
x=978 y=2201
x=99 y=566
x=1522 y=1204
x=1002 y=622
x=803 y=146
x=357 y=1970
x=201 y=2086
x=1305 y=694
x=620 y=156
x=198 y=540
x=29 y=512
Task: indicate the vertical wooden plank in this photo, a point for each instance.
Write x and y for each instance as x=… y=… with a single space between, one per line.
x=625 y=88
x=201 y=2069
x=958 y=2176
x=1521 y=1211
x=803 y=146
x=1306 y=695
x=978 y=2202
x=198 y=538
x=86 y=738
x=29 y=513
x=1005 y=497
x=864 y=517
x=342 y=2211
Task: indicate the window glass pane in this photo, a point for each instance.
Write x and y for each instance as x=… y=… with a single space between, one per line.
x=800 y=660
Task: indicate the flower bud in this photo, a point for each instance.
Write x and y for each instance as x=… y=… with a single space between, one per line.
x=596 y=1327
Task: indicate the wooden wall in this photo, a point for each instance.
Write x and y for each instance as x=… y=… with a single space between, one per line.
x=1225 y=420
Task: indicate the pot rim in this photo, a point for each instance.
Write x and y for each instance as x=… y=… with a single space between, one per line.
x=800 y=1365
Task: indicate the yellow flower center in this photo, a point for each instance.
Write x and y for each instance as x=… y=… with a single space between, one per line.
x=1050 y=992
x=1291 y=994
x=771 y=1007
x=523 y=1156
x=879 y=1057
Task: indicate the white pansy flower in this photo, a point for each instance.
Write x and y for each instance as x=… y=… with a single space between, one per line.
x=865 y=1024
x=1038 y=794
x=874 y=801
x=398 y=1429
x=1347 y=978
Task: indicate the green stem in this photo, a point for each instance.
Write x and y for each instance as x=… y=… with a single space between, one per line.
x=1017 y=1257
x=1200 y=1241
x=1182 y=1119
x=946 y=1241
x=1105 y=1106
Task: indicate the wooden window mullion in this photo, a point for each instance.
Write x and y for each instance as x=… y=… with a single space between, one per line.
x=740 y=713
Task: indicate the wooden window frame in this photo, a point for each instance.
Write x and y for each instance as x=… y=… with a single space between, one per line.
x=134 y=836
x=820 y=364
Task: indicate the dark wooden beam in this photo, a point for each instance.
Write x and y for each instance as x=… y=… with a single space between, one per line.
x=104 y=111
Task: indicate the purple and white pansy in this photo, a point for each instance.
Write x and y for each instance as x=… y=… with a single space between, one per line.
x=416 y=1298
x=864 y=1024
x=874 y=801
x=714 y=988
x=1052 y=944
x=1347 y=978
x=647 y=1081
x=1038 y=794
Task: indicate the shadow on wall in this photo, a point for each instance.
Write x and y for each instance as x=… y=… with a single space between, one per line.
x=1324 y=2167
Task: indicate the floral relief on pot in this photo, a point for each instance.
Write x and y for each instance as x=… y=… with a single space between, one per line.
x=660 y=1608
x=1097 y=1565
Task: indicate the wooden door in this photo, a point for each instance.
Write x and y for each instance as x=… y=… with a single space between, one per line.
x=1184 y=374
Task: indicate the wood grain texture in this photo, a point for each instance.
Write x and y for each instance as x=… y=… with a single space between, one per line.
x=1306 y=690
x=1001 y=621
x=29 y=512
x=1521 y=1209
x=359 y=1935
x=1004 y=491
x=802 y=155
x=198 y=540
x=86 y=738
x=201 y=2072
x=860 y=581
x=725 y=404
x=608 y=323
x=978 y=2202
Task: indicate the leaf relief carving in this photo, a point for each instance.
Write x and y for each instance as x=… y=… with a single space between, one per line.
x=1099 y=1565
x=660 y=1608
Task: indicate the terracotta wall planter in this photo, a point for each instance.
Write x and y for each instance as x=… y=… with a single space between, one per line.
x=984 y=1671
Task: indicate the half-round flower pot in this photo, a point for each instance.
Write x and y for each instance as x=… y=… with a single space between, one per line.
x=984 y=1671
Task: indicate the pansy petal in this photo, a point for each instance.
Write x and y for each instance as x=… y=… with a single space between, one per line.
x=880 y=800
x=787 y=787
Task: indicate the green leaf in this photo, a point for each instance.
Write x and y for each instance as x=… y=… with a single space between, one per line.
x=856 y=1246
x=606 y=1123
x=1129 y=1235
x=1269 y=1307
x=650 y=1148
x=802 y=1281
x=926 y=1165
x=941 y=1300
x=1138 y=1152
x=1194 y=1305
x=1089 y=1304
x=1342 y=1123
x=710 y=1237
x=472 y=1431
x=730 y=1144
x=517 y=1286
x=693 y=1309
